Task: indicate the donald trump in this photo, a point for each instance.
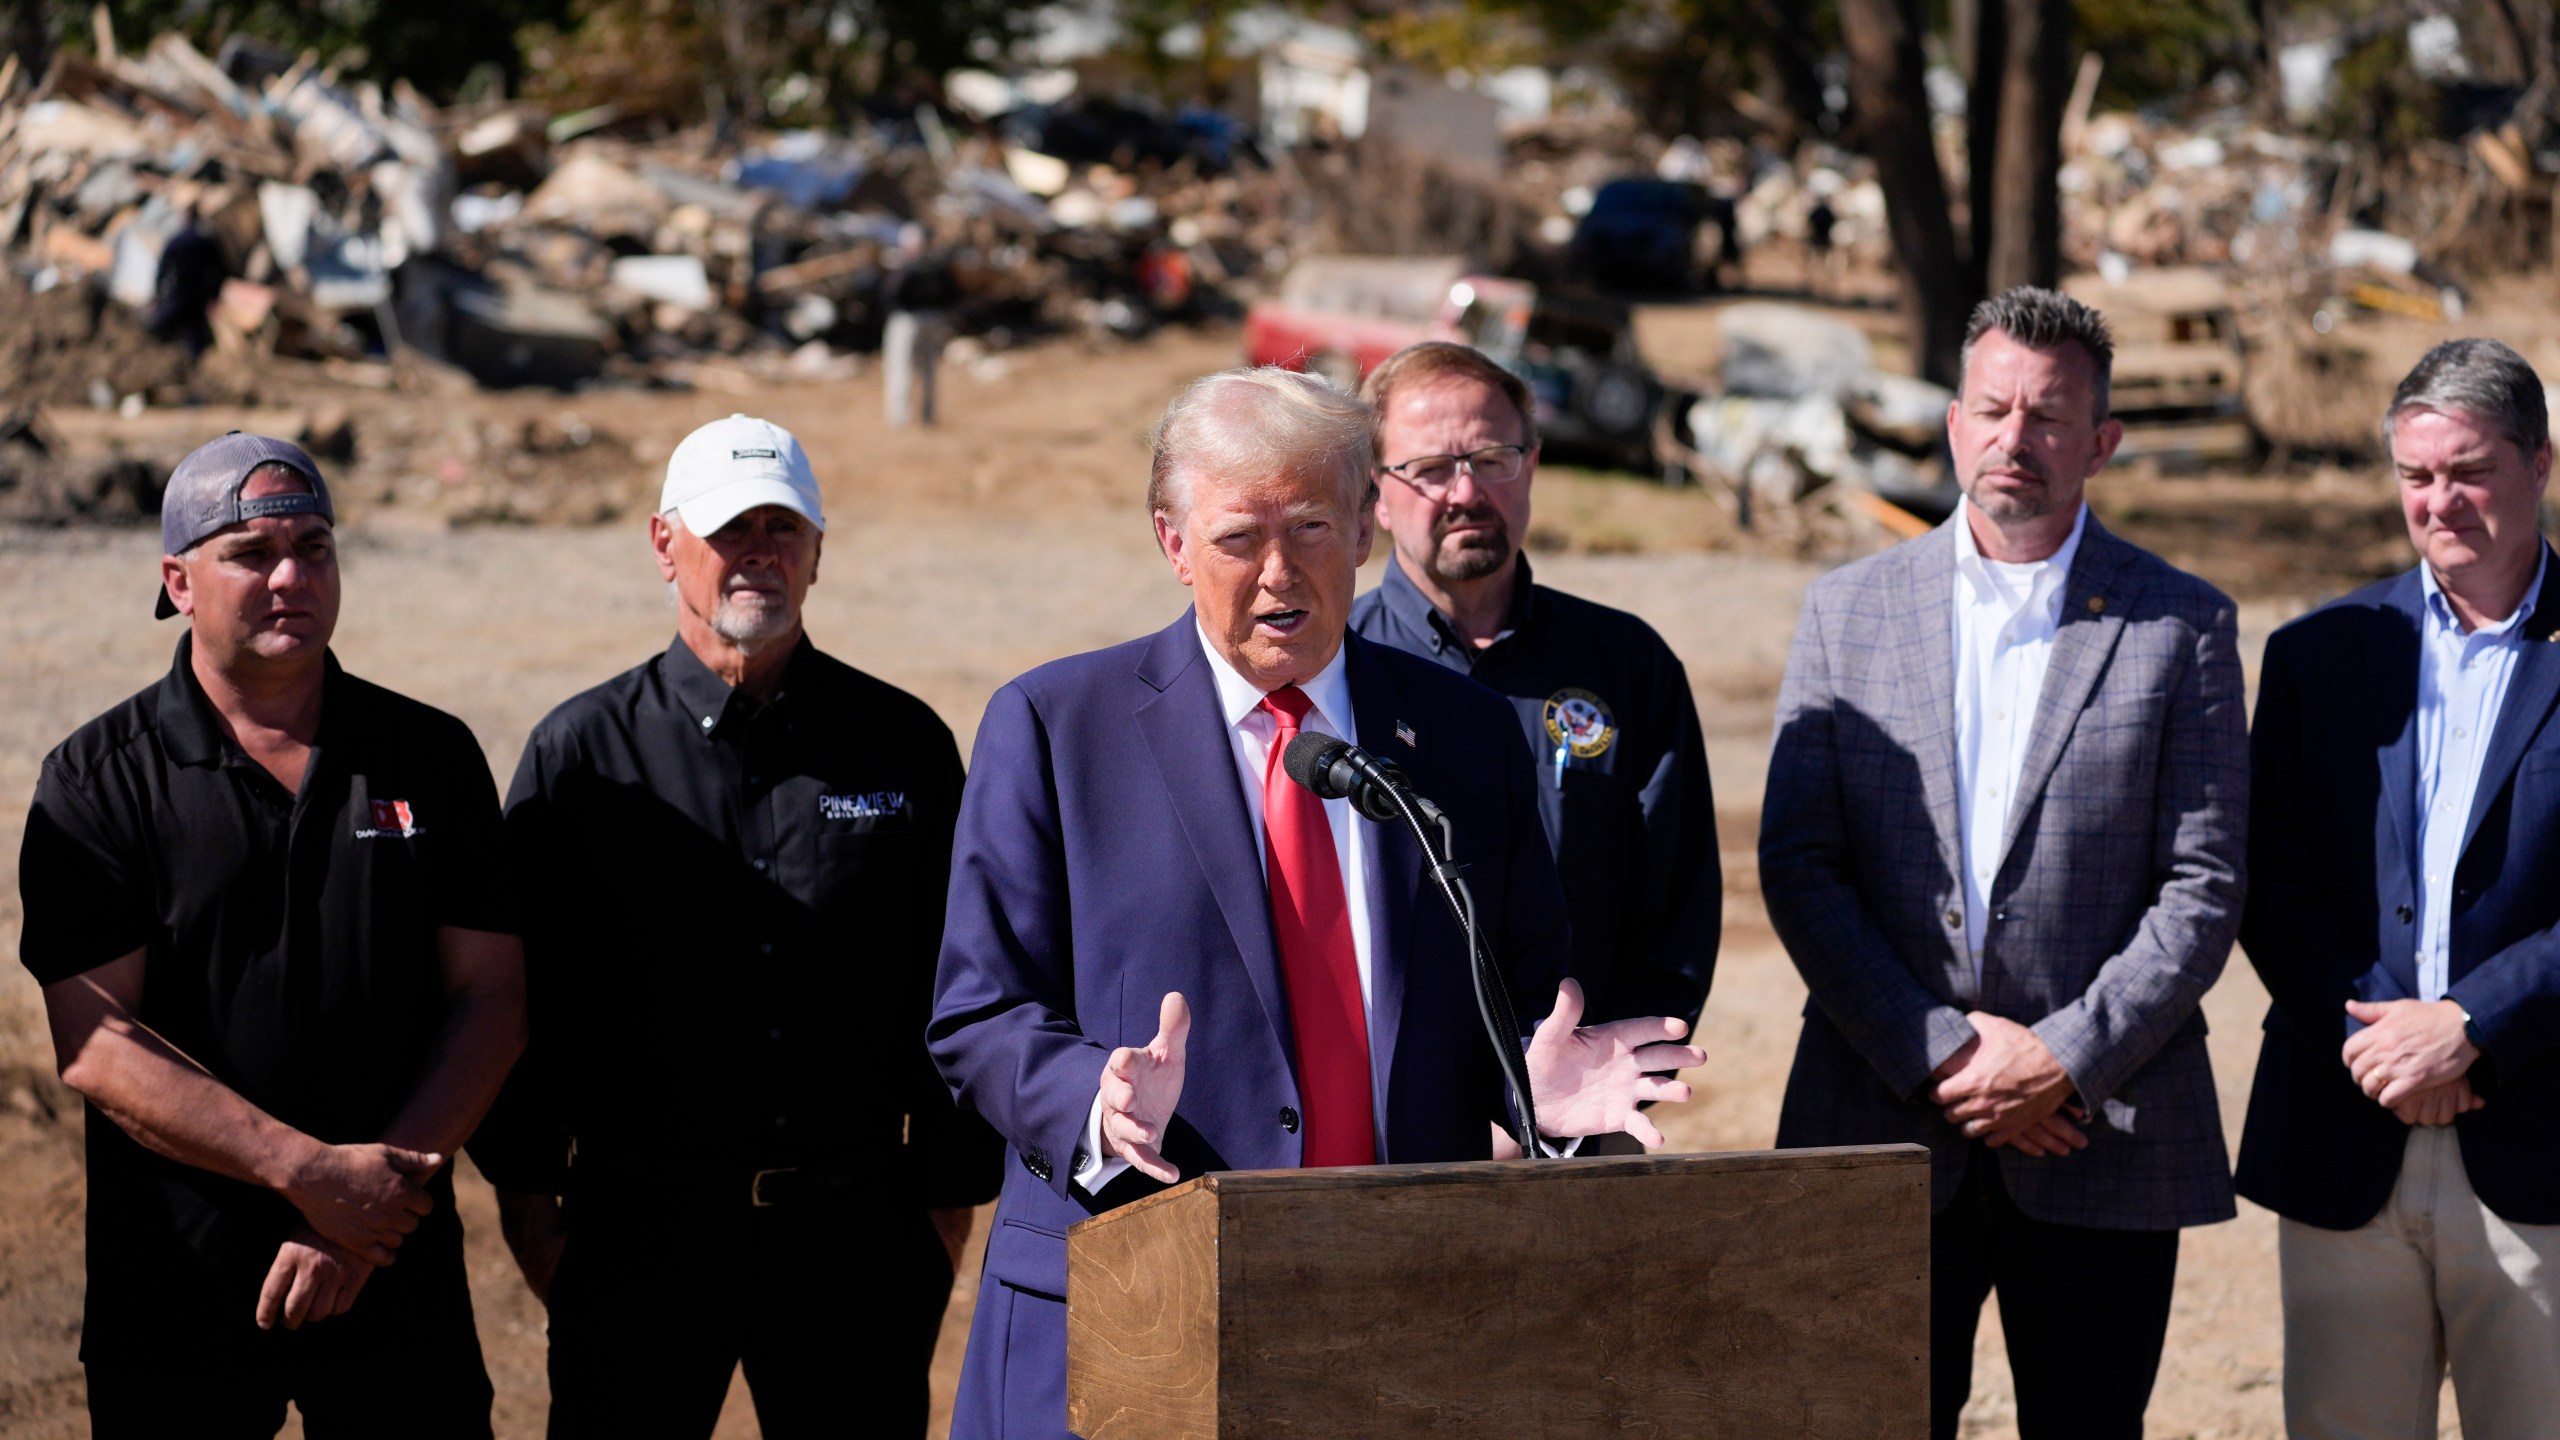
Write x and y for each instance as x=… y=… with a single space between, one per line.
x=1164 y=957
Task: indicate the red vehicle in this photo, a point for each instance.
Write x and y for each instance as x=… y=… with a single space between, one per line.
x=1338 y=316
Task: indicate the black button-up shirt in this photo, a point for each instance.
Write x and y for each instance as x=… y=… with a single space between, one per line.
x=732 y=916
x=1622 y=780
x=289 y=945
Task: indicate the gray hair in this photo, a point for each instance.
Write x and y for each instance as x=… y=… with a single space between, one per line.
x=2486 y=378
x=2043 y=319
x=1259 y=420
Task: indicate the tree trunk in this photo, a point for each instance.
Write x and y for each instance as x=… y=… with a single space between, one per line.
x=2026 y=206
x=30 y=39
x=2262 y=59
x=1890 y=106
x=1788 y=26
x=1982 y=39
x=2519 y=45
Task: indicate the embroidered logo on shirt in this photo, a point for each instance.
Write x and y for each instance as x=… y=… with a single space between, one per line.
x=870 y=806
x=390 y=818
x=1580 y=721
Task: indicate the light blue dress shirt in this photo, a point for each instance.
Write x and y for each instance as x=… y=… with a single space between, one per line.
x=2462 y=684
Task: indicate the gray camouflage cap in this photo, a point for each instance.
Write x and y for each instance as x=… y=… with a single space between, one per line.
x=203 y=498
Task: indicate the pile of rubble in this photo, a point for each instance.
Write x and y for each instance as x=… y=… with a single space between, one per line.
x=1805 y=421
x=2378 y=233
x=2139 y=193
x=248 y=204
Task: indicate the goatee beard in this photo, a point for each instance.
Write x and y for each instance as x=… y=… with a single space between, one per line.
x=1474 y=557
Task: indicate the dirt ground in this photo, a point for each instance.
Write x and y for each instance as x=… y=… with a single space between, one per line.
x=959 y=557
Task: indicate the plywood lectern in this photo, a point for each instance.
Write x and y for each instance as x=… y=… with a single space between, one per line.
x=1758 y=1295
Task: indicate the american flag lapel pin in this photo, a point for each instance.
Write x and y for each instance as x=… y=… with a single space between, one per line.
x=1404 y=733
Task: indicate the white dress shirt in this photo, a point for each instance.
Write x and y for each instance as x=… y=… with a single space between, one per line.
x=2462 y=684
x=2006 y=616
x=1250 y=731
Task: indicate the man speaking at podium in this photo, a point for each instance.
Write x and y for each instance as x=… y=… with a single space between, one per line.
x=1137 y=884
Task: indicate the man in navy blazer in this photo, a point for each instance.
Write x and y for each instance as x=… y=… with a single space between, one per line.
x=1110 y=918
x=2405 y=850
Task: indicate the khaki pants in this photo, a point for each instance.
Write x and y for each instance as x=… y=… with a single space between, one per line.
x=2373 y=1317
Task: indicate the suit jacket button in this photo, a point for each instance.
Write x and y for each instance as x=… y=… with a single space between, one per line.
x=1288 y=1119
x=1955 y=919
x=2406 y=914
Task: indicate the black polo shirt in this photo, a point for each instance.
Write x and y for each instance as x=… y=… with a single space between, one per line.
x=290 y=948
x=732 y=917
x=1622 y=780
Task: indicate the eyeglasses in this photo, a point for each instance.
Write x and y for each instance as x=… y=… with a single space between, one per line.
x=1432 y=475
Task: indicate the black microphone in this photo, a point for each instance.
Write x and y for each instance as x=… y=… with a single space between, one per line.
x=1338 y=770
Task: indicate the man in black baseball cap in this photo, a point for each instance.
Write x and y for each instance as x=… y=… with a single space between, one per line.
x=265 y=901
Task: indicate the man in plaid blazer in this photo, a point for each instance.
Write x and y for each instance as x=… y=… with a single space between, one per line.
x=2003 y=841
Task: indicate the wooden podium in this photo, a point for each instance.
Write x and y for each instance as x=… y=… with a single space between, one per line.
x=1754 y=1295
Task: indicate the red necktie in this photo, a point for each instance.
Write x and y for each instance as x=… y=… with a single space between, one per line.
x=1312 y=922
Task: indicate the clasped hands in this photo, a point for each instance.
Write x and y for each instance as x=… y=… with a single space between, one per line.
x=1586 y=1079
x=2413 y=1059
x=2003 y=1087
x=358 y=1202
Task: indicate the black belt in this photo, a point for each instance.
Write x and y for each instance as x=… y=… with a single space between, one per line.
x=798 y=1185
x=721 y=1184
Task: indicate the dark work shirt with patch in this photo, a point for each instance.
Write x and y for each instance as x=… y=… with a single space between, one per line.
x=1622 y=780
x=733 y=912
x=289 y=947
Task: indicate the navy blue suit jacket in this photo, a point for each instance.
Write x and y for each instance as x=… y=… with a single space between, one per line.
x=1105 y=856
x=2334 y=862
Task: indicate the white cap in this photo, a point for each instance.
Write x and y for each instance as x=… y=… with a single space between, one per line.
x=730 y=467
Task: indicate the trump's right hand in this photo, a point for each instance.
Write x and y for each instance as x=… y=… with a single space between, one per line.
x=1140 y=1087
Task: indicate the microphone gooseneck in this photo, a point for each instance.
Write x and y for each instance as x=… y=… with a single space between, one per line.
x=1335 y=769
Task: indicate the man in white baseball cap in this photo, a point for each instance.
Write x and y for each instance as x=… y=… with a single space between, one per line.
x=737 y=532
x=726 y=1140
x=729 y=467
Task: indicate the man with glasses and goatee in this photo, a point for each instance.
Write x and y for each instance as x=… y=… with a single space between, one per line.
x=1622 y=768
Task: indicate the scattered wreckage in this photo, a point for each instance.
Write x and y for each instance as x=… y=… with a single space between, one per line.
x=251 y=202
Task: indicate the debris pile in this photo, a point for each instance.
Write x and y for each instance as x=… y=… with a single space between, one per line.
x=2380 y=232
x=2140 y=193
x=1805 y=416
x=250 y=205
x=2265 y=265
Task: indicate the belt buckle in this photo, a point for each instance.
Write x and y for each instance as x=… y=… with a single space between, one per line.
x=755 y=1186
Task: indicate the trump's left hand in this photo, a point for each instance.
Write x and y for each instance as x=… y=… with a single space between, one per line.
x=2406 y=1046
x=1588 y=1080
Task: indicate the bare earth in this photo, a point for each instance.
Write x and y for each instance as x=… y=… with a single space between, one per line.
x=958 y=558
